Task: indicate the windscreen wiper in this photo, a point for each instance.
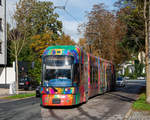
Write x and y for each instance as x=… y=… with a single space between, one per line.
x=54 y=88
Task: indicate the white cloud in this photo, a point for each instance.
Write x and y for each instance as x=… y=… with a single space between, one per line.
x=70 y=28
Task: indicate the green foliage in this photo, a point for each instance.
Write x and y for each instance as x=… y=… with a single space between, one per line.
x=35 y=73
x=36 y=17
x=134 y=40
x=141 y=104
x=20 y=96
x=127 y=71
x=138 y=68
x=104 y=32
x=132 y=76
x=26 y=54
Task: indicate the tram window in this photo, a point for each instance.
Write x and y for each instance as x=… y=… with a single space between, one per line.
x=102 y=72
x=82 y=74
x=95 y=75
x=77 y=73
x=91 y=74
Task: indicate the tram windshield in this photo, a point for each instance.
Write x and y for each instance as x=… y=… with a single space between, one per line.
x=58 y=71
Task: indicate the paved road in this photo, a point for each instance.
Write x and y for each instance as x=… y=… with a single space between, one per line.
x=110 y=106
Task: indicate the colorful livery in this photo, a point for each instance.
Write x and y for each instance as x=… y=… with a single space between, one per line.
x=70 y=76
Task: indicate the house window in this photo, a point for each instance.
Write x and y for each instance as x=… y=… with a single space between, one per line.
x=0 y=48
x=0 y=24
x=0 y=2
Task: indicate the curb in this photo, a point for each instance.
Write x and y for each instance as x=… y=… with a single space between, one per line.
x=127 y=114
x=130 y=111
x=4 y=95
x=12 y=100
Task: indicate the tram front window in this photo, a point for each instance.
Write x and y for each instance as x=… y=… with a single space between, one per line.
x=58 y=71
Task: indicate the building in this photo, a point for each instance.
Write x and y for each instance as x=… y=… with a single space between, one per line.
x=3 y=34
x=3 y=45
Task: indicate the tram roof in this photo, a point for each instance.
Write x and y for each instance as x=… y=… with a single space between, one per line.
x=63 y=50
x=69 y=47
x=75 y=49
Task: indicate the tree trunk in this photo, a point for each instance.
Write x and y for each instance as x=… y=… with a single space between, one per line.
x=16 y=75
x=148 y=60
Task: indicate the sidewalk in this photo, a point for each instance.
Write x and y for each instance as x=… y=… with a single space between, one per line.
x=4 y=92
x=138 y=115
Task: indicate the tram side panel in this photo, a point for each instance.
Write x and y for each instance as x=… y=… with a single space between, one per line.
x=81 y=74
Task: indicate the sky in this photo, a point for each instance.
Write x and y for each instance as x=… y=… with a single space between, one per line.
x=76 y=15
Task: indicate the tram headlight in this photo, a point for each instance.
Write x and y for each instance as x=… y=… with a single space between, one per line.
x=70 y=90
x=47 y=90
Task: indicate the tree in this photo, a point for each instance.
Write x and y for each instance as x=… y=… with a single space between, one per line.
x=147 y=41
x=40 y=23
x=83 y=44
x=41 y=42
x=17 y=42
x=65 y=40
x=133 y=19
x=36 y=17
x=140 y=7
x=104 y=33
x=148 y=75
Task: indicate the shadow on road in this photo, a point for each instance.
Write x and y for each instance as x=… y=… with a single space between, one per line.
x=121 y=97
x=131 y=89
x=55 y=115
x=83 y=112
x=62 y=107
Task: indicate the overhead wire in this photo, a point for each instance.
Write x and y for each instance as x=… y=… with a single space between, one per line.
x=66 y=3
x=67 y=12
x=71 y=16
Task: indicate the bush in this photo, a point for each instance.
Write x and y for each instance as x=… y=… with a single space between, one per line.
x=141 y=104
x=35 y=73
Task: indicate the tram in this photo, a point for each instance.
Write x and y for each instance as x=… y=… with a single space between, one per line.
x=70 y=76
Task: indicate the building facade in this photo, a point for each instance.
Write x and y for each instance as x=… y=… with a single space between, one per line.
x=3 y=34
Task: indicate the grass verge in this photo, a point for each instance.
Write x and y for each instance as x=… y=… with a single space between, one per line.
x=20 y=96
x=141 y=104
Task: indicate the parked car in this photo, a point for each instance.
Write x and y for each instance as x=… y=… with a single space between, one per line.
x=27 y=83
x=141 y=78
x=121 y=82
x=126 y=78
x=38 y=94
